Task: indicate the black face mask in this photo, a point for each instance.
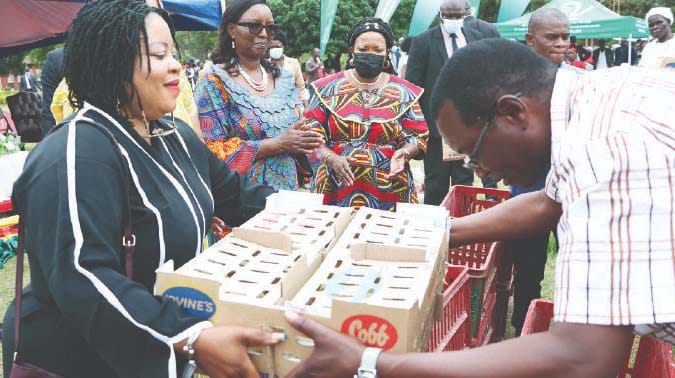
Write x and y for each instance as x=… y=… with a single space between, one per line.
x=368 y=65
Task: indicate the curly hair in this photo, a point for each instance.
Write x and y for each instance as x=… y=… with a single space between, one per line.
x=101 y=49
x=374 y=24
x=225 y=53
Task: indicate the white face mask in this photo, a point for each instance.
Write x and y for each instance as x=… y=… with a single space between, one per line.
x=276 y=52
x=453 y=26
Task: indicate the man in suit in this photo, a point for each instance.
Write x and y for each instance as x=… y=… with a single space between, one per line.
x=429 y=51
x=52 y=74
x=602 y=56
x=621 y=54
x=27 y=82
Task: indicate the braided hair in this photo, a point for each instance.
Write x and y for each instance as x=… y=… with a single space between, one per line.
x=101 y=49
x=225 y=53
x=375 y=24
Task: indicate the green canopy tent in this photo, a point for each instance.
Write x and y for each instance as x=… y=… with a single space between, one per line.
x=588 y=19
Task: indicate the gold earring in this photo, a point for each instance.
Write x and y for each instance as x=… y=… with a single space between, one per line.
x=145 y=121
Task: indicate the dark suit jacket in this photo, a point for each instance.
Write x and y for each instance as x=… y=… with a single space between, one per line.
x=487 y=29
x=426 y=58
x=23 y=86
x=52 y=74
x=608 y=56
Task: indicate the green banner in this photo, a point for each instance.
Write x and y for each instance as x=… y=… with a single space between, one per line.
x=427 y=10
x=511 y=9
x=328 y=10
x=386 y=9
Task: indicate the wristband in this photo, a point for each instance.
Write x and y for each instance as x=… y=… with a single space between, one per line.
x=368 y=363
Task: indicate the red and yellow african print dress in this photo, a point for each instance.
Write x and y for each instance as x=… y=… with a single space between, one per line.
x=367 y=125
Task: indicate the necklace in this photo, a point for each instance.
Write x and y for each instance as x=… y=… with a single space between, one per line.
x=365 y=84
x=259 y=86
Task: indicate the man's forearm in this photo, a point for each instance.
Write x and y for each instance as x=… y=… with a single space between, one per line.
x=526 y=215
x=581 y=351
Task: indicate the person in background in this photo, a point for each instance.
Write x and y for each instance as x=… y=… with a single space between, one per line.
x=331 y=63
x=372 y=123
x=548 y=34
x=119 y=161
x=602 y=56
x=403 y=62
x=27 y=81
x=428 y=52
x=52 y=74
x=571 y=58
x=314 y=67
x=660 y=20
x=189 y=72
x=582 y=53
x=621 y=54
x=610 y=187
x=250 y=111
x=292 y=65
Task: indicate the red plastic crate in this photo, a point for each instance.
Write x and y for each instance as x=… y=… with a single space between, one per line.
x=485 y=329
x=453 y=330
x=5 y=206
x=654 y=358
x=464 y=200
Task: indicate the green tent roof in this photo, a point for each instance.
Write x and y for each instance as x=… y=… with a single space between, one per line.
x=588 y=18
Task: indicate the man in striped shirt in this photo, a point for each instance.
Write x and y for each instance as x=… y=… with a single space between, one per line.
x=610 y=138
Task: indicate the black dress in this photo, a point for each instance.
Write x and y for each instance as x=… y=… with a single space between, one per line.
x=81 y=316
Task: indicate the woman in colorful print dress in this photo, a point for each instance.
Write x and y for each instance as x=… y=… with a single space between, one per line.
x=249 y=110
x=372 y=123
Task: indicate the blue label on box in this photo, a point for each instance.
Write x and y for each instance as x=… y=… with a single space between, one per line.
x=193 y=301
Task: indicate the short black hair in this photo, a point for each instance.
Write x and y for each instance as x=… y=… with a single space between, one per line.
x=101 y=49
x=480 y=73
x=281 y=37
x=225 y=52
x=405 y=45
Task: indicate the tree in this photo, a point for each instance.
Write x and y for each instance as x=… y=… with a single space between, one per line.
x=400 y=21
x=196 y=44
x=301 y=21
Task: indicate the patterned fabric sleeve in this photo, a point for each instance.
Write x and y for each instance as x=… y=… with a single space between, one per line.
x=415 y=130
x=222 y=137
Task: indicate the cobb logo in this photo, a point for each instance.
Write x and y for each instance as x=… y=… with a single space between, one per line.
x=192 y=300
x=371 y=330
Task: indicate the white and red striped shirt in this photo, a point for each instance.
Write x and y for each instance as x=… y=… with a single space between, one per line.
x=613 y=171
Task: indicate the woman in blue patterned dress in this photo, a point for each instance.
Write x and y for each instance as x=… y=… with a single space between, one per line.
x=249 y=110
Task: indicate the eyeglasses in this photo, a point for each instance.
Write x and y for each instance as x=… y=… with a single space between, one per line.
x=256 y=28
x=471 y=161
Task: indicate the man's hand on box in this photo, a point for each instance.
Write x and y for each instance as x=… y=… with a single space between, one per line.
x=335 y=354
x=222 y=351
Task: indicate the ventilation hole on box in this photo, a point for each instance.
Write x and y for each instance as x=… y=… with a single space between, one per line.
x=397 y=240
x=406 y=222
x=377 y=280
x=276 y=280
x=310 y=301
x=227 y=253
x=243 y=263
x=239 y=245
x=297 y=257
x=330 y=275
x=368 y=216
x=291 y=357
x=321 y=287
x=342 y=295
x=354 y=275
x=255 y=351
x=216 y=262
x=256 y=253
x=399 y=288
x=357 y=235
x=247 y=281
x=322 y=233
x=370 y=292
x=401 y=231
x=385 y=225
x=362 y=265
x=406 y=277
x=338 y=263
x=373 y=242
x=259 y=271
x=348 y=284
x=268 y=262
x=230 y=273
x=262 y=294
x=304 y=341
x=379 y=233
x=387 y=217
x=329 y=224
x=394 y=299
x=280 y=254
x=203 y=271
x=407 y=267
x=297 y=233
x=423 y=230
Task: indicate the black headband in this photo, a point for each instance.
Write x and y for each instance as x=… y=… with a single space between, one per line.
x=372 y=26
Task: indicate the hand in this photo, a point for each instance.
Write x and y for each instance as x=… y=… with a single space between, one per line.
x=300 y=139
x=341 y=166
x=217 y=227
x=222 y=351
x=397 y=163
x=335 y=354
